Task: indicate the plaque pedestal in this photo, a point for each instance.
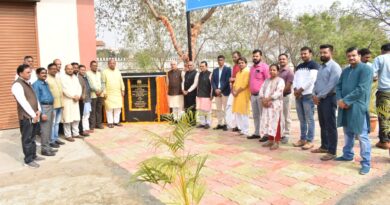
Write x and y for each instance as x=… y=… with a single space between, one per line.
x=140 y=97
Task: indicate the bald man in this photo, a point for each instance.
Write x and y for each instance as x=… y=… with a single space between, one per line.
x=72 y=91
x=113 y=91
x=175 y=93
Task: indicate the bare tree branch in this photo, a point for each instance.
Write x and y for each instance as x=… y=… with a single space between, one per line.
x=208 y=15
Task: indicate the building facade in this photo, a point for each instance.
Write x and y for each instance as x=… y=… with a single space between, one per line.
x=46 y=30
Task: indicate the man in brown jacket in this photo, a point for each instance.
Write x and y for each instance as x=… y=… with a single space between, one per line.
x=29 y=112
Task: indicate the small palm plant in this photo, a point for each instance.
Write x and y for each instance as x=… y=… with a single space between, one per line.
x=179 y=169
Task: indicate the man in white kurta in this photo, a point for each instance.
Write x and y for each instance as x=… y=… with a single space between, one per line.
x=113 y=91
x=72 y=91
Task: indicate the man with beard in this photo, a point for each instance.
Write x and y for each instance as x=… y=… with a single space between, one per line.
x=353 y=95
x=324 y=96
x=230 y=117
x=288 y=76
x=304 y=79
x=259 y=72
x=72 y=91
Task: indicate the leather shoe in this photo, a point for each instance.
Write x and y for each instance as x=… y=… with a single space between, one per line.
x=70 y=139
x=264 y=138
x=236 y=129
x=110 y=125
x=38 y=158
x=218 y=127
x=382 y=145
x=328 y=157
x=85 y=134
x=253 y=137
x=200 y=126
x=99 y=127
x=224 y=128
x=54 y=145
x=78 y=136
x=59 y=142
x=118 y=124
x=319 y=150
x=48 y=153
x=53 y=150
x=206 y=126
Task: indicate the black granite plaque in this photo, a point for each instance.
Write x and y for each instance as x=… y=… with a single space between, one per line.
x=139 y=94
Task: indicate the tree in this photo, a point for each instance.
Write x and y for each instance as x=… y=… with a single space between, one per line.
x=131 y=14
x=375 y=9
x=332 y=26
x=143 y=59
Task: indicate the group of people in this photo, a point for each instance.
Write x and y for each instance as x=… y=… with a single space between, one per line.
x=72 y=96
x=267 y=91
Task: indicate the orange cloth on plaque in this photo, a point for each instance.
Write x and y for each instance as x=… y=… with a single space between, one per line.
x=162 y=106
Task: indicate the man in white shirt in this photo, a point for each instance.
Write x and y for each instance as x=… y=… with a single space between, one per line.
x=304 y=78
x=29 y=111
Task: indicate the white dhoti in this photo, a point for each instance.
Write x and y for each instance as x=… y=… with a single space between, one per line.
x=176 y=102
x=230 y=117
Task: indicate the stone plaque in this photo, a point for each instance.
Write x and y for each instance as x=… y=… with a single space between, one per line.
x=139 y=94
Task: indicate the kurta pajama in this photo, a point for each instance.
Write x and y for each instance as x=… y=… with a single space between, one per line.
x=203 y=97
x=241 y=102
x=113 y=87
x=70 y=117
x=354 y=89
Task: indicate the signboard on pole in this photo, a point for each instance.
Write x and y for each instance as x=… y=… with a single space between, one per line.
x=202 y=4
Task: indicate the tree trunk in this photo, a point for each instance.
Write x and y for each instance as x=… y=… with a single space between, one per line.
x=196 y=29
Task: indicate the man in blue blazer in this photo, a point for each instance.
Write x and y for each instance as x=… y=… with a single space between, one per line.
x=221 y=90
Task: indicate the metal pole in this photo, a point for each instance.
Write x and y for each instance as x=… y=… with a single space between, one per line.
x=189 y=35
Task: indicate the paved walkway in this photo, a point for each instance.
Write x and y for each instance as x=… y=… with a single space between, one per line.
x=76 y=175
x=240 y=171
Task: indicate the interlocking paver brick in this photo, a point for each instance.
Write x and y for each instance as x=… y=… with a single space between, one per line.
x=240 y=171
x=253 y=190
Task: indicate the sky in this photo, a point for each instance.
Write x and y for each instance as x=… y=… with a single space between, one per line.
x=298 y=7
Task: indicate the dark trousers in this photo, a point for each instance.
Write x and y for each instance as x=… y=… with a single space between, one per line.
x=381 y=98
x=190 y=101
x=28 y=130
x=327 y=118
x=81 y=106
x=190 y=104
x=95 y=119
